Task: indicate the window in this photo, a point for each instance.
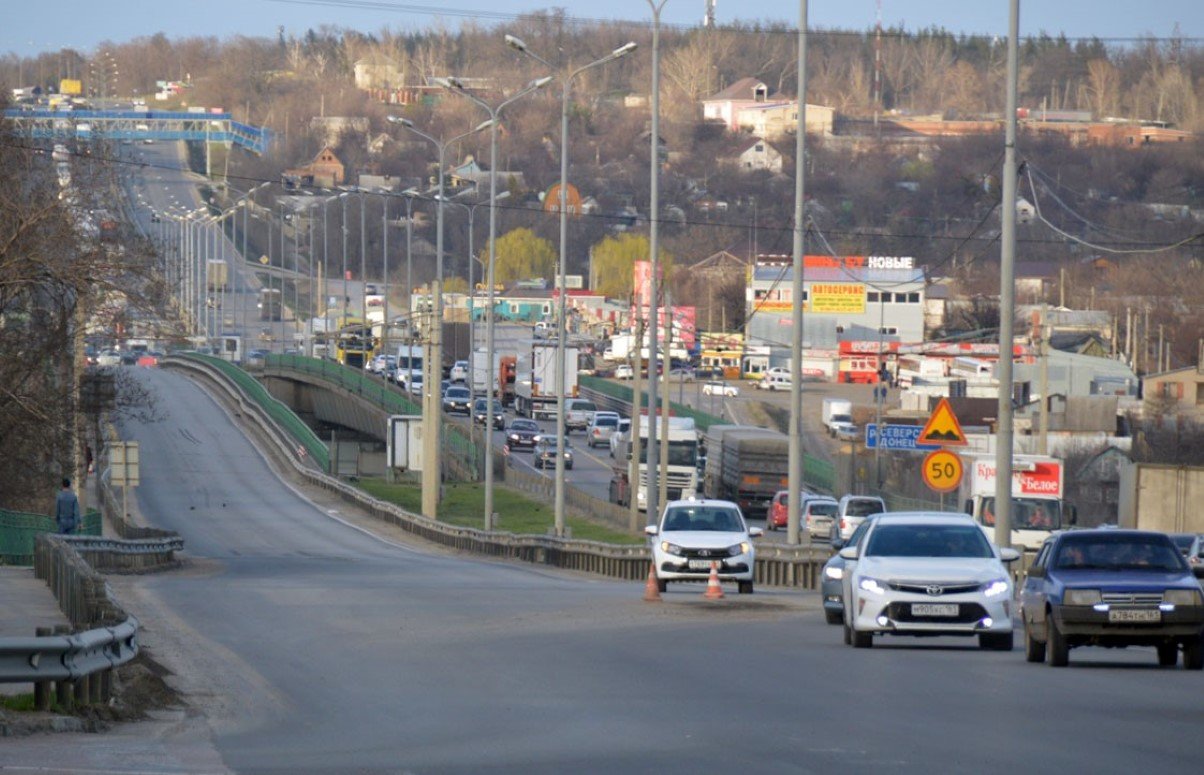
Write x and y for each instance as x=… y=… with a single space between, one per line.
x=889 y=330
x=913 y=298
x=840 y=329
x=758 y=148
x=871 y=297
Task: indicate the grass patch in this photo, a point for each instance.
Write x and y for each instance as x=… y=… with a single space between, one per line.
x=464 y=505
x=23 y=703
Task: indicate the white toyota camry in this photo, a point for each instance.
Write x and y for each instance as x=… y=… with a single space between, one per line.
x=928 y=573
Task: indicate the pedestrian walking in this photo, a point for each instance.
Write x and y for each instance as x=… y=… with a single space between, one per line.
x=66 y=509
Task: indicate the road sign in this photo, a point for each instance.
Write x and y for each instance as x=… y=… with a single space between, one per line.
x=942 y=428
x=123 y=463
x=903 y=438
x=942 y=470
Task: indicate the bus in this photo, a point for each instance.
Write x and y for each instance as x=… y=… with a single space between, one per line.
x=354 y=346
x=271 y=303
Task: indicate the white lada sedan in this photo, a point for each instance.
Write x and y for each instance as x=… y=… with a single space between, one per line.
x=928 y=574
x=695 y=534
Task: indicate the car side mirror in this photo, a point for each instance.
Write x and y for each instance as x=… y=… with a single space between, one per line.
x=1036 y=572
x=651 y=530
x=849 y=553
x=755 y=532
x=1008 y=554
x=837 y=543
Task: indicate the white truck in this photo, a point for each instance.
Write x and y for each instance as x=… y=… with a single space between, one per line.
x=681 y=475
x=478 y=368
x=1038 y=507
x=837 y=413
x=536 y=391
x=217 y=274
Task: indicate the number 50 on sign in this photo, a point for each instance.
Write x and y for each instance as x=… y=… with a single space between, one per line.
x=942 y=470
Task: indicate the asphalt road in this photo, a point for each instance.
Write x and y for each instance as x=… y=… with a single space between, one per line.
x=309 y=645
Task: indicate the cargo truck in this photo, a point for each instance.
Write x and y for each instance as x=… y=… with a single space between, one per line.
x=681 y=475
x=1038 y=507
x=746 y=464
x=536 y=391
x=217 y=274
x=837 y=412
x=1162 y=497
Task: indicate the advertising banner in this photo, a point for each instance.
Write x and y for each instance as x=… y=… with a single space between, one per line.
x=838 y=297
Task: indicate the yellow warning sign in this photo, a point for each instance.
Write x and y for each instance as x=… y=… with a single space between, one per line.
x=943 y=428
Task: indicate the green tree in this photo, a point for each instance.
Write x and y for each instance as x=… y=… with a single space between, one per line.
x=521 y=255
x=614 y=261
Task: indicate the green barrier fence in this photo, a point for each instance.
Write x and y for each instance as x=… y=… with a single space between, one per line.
x=456 y=442
x=277 y=410
x=17 y=531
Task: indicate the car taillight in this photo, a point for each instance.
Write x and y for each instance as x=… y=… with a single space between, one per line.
x=843 y=524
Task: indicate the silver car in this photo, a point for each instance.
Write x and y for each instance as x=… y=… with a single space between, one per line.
x=602 y=428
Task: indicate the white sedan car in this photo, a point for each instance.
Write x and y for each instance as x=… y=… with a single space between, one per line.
x=720 y=389
x=694 y=535
x=928 y=573
x=623 y=371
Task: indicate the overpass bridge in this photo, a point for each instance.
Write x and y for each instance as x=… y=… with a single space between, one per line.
x=138 y=125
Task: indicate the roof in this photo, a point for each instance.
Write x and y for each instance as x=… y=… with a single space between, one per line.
x=742 y=89
x=833 y=274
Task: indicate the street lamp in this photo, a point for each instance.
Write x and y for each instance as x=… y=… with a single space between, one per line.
x=566 y=81
x=654 y=458
x=431 y=419
x=494 y=114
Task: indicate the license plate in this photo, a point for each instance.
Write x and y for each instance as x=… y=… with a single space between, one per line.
x=934 y=609
x=700 y=564
x=1128 y=615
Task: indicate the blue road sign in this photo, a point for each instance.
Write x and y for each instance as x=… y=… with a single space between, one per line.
x=896 y=437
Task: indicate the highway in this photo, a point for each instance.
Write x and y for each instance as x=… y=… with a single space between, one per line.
x=307 y=643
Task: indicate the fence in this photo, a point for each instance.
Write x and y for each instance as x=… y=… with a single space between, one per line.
x=575 y=499
x=19 y=529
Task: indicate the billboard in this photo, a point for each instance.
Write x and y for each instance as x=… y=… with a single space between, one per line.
x=838 y=297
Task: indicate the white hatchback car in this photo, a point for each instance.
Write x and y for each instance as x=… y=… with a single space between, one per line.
x=694 y=535
x=720 y=389
x=928 y=573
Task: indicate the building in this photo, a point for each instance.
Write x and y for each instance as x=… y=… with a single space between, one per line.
x=724 y=106
x=377 y=71
x=851 y=298
x=325 y=171
x=1176 y=392
x=331 y=128
x=472 y=175
x=757 y=155
x=778 y=120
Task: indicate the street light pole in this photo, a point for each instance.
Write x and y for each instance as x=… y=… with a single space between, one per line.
x=654 y=263
x=561 y=314
x=432 y=422
x=794 y=480
x=494 y=197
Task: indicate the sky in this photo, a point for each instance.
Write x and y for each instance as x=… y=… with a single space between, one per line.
x=49 y=25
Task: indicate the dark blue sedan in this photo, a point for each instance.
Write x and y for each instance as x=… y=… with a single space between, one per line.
x=1112 y=588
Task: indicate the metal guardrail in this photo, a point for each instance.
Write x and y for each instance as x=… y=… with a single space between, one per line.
x=67 y=657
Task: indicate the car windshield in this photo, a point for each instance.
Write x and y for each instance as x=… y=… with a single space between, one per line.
x=928 y=541
x=1118 y=552
x=525 y=425
x=458 y=393
x=550 y=443
x=606 y=422
x=681 y=453
x=717 y=519
x=862 y=507
x=1027 y=513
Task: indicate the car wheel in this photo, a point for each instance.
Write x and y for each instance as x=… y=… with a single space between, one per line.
x=848 y=633
x=1193 y=653
x=744 y=587
x=769 y=524
x=996 y=641
x=1034 y=650
x=861 y=640
x=662 y=585
x=1059 y=650
x=1168 y=654
x=833 y=617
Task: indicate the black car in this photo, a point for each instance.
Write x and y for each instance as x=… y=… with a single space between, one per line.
x=546 y=450
x=480 y=411
x=457 y=399
x=522 y=434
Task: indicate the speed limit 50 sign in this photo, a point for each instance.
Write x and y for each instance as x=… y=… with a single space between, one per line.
x=942 y=470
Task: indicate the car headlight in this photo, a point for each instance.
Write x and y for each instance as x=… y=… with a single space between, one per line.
x=514 y=437
x=669 y=548
x=996 y=588
x=1181 y=596
x=872 y=586
x=744 y=547
x=834 y=572
x=1081 y=597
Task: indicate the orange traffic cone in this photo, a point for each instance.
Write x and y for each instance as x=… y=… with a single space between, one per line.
x=714 y=591
x=652 y=590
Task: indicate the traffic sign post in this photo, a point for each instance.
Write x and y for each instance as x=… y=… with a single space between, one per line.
x=942 y=471
x=942 y=428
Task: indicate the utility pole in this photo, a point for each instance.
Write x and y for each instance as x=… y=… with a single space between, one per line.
x=1007 y=291
x=663 y=480
x=794 y=498
x=1043 y=347
x=637 y=397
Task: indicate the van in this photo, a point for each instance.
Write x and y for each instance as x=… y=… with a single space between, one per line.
x=774 y=382
x=853 y=509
